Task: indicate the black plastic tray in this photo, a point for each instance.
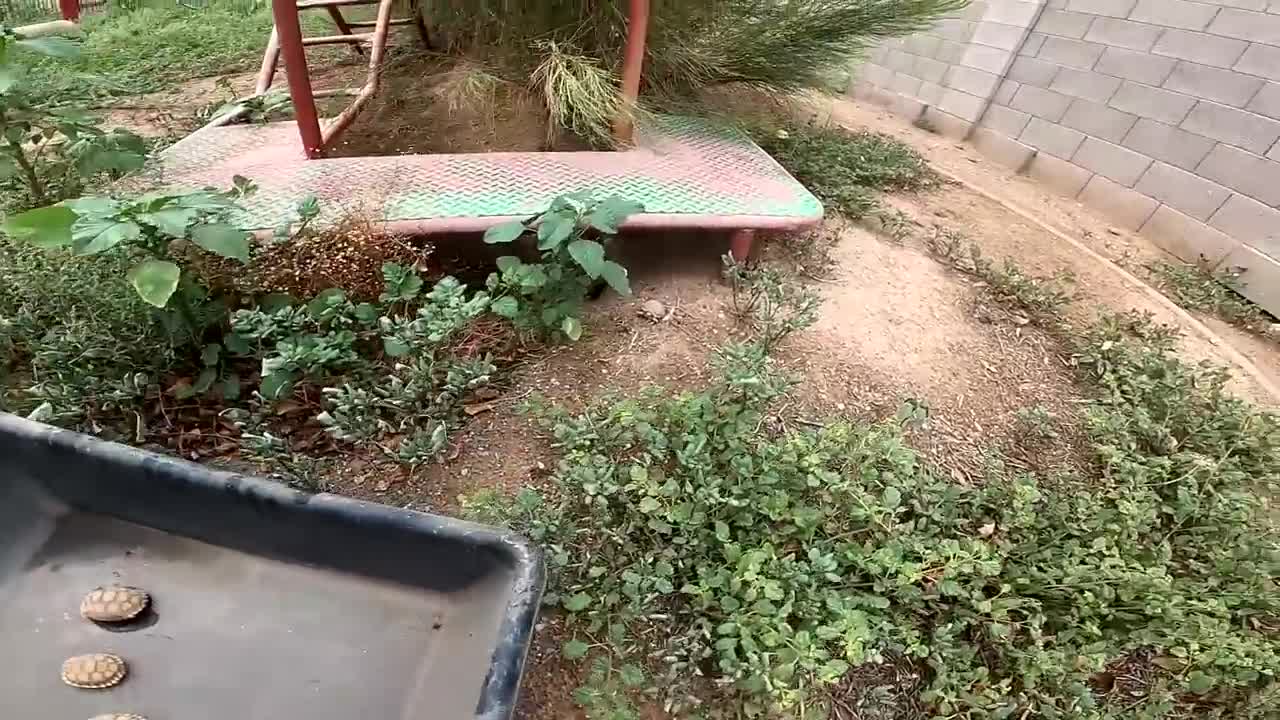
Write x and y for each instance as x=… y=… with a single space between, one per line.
x=269 y=603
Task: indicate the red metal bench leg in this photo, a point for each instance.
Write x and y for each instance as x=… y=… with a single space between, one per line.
x=740 y=244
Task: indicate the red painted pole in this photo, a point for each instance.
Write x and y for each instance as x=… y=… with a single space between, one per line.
x=70 y=9
x=295 y=64
x=632 y=65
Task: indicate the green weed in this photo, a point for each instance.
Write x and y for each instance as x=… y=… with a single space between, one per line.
x=1041 y=298
x=1197 y=289
x=756 y=570
x=845 y=168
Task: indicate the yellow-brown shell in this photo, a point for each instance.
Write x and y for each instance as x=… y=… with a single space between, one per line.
x=116 y=603
x=118 y=716
x=98 y=670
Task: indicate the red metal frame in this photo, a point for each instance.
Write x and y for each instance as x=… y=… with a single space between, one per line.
x=70 y=9
x=287 y=40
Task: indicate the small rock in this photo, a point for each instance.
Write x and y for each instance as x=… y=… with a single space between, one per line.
x=1274 y=330
x=653 y=310
x=1113 y=231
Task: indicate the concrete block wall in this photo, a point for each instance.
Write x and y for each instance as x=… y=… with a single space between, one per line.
x=1164 y=115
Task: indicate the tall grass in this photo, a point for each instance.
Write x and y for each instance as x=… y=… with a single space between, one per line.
x=773 y=45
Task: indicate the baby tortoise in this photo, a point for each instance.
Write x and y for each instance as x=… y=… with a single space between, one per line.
x=118 y=716
x=114 y=604
x=95 y=671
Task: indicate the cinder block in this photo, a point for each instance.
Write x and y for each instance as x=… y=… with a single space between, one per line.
x=1140 y=67
x=1182 y=190
x=1200 y=47
x=1030 y=71
x=954 y=30
x=922 y=45
x=1058 y=175
x=1112 y=8
x=993 y=60
x=1241 y=128
x=1111 y=161
x=1225 y=86
x=875 y=74
x=1004 y=120
x=929 y=70
x=973 y=11
x=1051 y=138
x=1261 y=60
x=1099 y=121
x=1187 y=238
x=1250 y=222
x=949 y=52
x=1163 y=105
x=1123 y=33
x=1064 y=24
x=931 y=93
x=1031 y=46
x=1267 y=101
x=905 y=84
x=961 y=104
x=1259 y=276
x=975 y=82
x=1084 y=84
x=907 y=107
x=1244 y=172
x=1174 y=13
x=873 y=94
x=1167 y=143
x=1122 y=206
x=1243 y=4
x=899 y=61
x=1001 y=149
x=1072 y=53
x=1005 y=92
x=946 y=124
x=999 y=35
x=1245 y=25
x=1011 y=12
x=1042 y=103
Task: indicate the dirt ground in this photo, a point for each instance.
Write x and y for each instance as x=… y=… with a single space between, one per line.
x=895 y=325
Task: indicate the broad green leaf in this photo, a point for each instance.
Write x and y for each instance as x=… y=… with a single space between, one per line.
x=891 y=498
x=589 y=254
x=155 y=281
x=93 y=205
x=45 y=227
x=609 y=215
x=395 y=347
x=236 y=343
x=649 y=505
x=222 y=239
x=577 y=603
x=507 y=307
x=53 y=46
x=276 y=385
x=8 y=168
x=91 y=235
x=1199 y=683
x=171 y=221
x=205 y=381
x=231 y=387
x=574 y=649
x=504 y=233
x=572 y=327
x=367 y=313
x=506 y=262
x=554 y=229
x=616 y=276
x=631 y=675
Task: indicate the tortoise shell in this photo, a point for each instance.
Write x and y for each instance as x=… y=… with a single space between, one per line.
x=118 y=716
x=114 y=604
x=97 y=670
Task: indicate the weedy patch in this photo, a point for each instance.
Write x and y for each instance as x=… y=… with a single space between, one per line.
x=1041 y=298
x=720 y=568
x=1194 y=288
x=845 y=169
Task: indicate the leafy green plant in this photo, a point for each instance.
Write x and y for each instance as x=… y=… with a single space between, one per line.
x=144 y=228
x=775 y=307
x=52 y=152
x=308 y=210
x=1041 y=298
x=547 y=296
x=777 y=564
x=1218 y=294
x=845 y=168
